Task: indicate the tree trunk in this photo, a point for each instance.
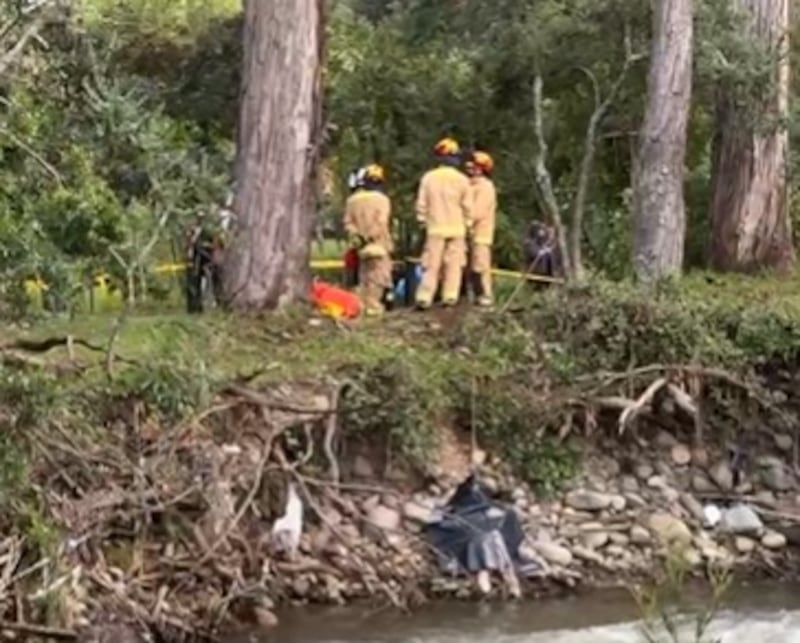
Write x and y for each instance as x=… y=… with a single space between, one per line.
x=751 y=228
x=277 y=154
x=659 y=209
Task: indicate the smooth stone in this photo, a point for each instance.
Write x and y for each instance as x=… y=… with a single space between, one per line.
x=701 y=484
x=384 y=518
x=783 y=442
x=583 y=500
x=644 y=471
x=553 y=554
x=669 y=529
x=362 y=468
x=693 y=506
x=629 y=484
x=744 y=545
x=722 y=475
x=773 y=540
x=775 y=477
x=596 y=540
x=681 y=455
x=740 y=519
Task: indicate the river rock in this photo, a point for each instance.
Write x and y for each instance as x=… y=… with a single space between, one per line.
x=417 y=511
x=384 y=518
x=587 y=554
x=629 y=484
x=693 y=557
x=479 y=457
x=584 y=500
x=596 y=540
x=635 y=500
x=700 y=457
x=265 y=618
x=666 y=440
x=773 y=540
x=740 y=519
x=767 y=498
x=681 y=455
x=783 y=442
x=722 y=475
x=774 y=475
x=362 y=467
x=669 y=529
x=657 y=482
x=639 y=535
x=553 y=553
x=693 y=506
x=644 y=471
x=701 y=484
x=301 y=586
x=618 y=503
x=619 y=539
x=744 y=545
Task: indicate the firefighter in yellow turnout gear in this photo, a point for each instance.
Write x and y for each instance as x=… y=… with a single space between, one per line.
x=484 y=213
x=443 y=208
x=367 y=222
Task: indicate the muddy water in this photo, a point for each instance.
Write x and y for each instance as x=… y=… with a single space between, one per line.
x=753 y=614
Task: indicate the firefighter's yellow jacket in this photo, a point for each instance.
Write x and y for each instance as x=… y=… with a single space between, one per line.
x=444 y=203
x=368 y=213
x=484 y=210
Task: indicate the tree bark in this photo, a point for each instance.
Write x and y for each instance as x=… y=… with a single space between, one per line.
x=751 y=228
x=277 y=154
x=659 y=209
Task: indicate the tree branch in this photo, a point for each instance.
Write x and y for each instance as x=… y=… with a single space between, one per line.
x=589 y=150
x=10 y=56
x=544 y=181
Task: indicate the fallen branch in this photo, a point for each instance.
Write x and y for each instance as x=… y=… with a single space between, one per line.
x=30 y=629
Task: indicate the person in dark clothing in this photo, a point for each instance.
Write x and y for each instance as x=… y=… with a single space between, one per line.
x=204 y=254
x=540 y=251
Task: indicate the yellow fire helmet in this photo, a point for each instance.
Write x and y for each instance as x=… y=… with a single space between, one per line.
x=483 y=162
x=446 y=147
x=374 y=173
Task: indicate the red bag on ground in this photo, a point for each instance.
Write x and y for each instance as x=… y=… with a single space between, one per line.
x=335 y=302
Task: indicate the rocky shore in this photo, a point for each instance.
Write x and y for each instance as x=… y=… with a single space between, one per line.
x=615 y=525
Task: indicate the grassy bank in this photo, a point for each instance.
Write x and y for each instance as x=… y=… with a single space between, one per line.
x=543 y=357
x=529 y=384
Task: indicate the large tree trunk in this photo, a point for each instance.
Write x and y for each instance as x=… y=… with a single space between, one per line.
x=659 y=210
x=277 y=156
x=751 y=228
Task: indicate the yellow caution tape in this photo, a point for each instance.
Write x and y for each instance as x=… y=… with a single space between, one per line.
x=316 y=264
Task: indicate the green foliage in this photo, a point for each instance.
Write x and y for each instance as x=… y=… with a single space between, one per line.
x=670 y=612
x=398 y=402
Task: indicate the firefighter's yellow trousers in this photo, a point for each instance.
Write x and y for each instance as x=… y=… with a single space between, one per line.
x=482 y=267
x=445 y=257
x=375 y=276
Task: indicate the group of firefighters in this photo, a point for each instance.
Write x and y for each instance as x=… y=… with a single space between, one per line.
x=456 y=206
x=457 y=211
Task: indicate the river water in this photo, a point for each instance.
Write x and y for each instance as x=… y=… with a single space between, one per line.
x=753 y=614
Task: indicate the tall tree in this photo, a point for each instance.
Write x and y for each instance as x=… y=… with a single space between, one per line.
x=277 y=153
x=750 y=196
x=659 y=209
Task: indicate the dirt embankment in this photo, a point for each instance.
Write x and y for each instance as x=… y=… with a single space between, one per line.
x=624 y=429
x=169 y=530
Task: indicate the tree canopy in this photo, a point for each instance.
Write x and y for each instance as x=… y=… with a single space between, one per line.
x=121 y=115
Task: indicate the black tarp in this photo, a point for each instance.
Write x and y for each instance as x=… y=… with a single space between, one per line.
x=467 y=525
